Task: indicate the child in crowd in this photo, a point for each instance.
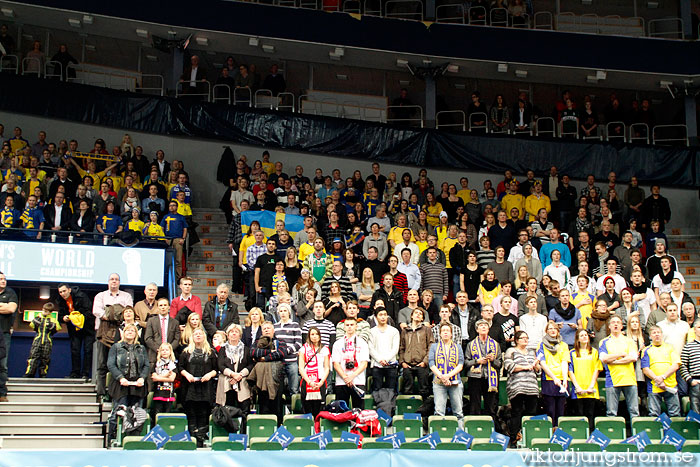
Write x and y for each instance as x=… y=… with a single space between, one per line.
x=218 y=339
x=45 y=327
x=163 y=376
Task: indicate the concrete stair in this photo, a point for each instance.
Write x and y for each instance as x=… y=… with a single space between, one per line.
x=685 y=247
x=51 y=414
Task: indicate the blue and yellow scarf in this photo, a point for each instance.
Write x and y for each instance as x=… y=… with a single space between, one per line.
x=447 y=359
x=475 y=351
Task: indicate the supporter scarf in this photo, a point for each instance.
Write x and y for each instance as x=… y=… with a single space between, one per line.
x=551 y=343
x=447 y=359
x=475 y=351
x=566 y=313
x=582 y=224
x=311 y=368
x=666 y=278
x=599 y=319
x=489 y=285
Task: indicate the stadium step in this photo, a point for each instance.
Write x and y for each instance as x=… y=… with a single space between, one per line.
x=53 y=397
x=52 y=387
x=684 y=247
x=57 y=418
x=50 y=407
x=52 y=442
x=62 y=429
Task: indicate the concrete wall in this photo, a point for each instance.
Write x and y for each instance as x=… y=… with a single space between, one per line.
x=202 y=157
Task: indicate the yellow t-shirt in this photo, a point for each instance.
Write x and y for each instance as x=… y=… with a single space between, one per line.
x=586 y=310
x=513 y=201
x=422 y=246
x=136 y=225
x=583 y=368
x=617 y=375
x=489 y=295
x=447 y=245
x=465 y=195
x=154 y=230
x=658 y=358
x=396 y=234
x=268 y=167
x=96 y=179
x=305 y=249
x=433 y=211
x=183 y=209
x=554 y=360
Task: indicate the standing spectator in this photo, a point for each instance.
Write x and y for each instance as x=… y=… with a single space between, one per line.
x=198 y=366
x=274 y=81
x=402 y=115
x=35 y=65
x=554 y=244
x=328 y=331
x=219 y=312
x=75 y=309
x=383 y=350
x=263 y=272
x=161 y=329
x=522 y=366
x=64 y=58
x=483 y=362
x=193 y=77
x=618 y=353
x=288 y=334
x=554 y=359
x=655 y=208
x=690 y=368
x=314 y=367
x=391 y=296
x=446 y=361
x=660 y=362
x=186 y=299
x=434 y=277
x=6 y=41
x=414 y=349
x=175 y=228
x=584 y=367
x=147 y=307
x=350 y=357
x=110 y=297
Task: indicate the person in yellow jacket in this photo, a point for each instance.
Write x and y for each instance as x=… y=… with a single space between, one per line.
x=536 y=201
x=513 y=199
x=45 y=327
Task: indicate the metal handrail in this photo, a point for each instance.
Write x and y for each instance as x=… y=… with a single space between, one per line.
x=654 y=33
x=462 y=124
x=538 y=127
x=356 y=10
x=310 y=4
x=478 y=22
x=181 y=84
x=72 y=66
x=372 y=11
x=543 y=25
x=484 y=127
x=226 y=89
x=26 y=61
x=335 y=109
x=300 y=107
x=567 y=14
x=160 y=89
x=503 y=12
x=613 y=137
x=419 y=119
x=418 y=16
x=237 y=100
x=563 y=134
x=525 y=23
x=53 y=74
x=3 y=60
x=642 y=126
x=365 y=117
x=352 y=110
x=263 y=94
x=458 y=19
x=684 y=139
x=281 y=97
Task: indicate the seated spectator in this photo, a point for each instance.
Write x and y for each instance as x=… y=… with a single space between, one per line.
x=109 y=222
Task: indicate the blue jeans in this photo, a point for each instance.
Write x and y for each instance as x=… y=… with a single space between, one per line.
x=682 y=385
x=694 y=396
x=291 y=369
x=3 y=364
x=454 y=392
x=673 y=406
x=455 y=284
x=612 y=400
x=437 y=300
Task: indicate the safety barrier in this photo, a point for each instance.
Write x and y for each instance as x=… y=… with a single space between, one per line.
x=545 y=126
x=56 y=69
x=616 y=132
x=543 y=20
x=570 y=133
x=352 y=6
x=391 y=110
x=521 y=21
x=242 y=96
x=159 y=85
x=459 y=122
x=670 y=134
x=263 y=99
x=527 y=131
x=477 y=16
x=9 y=63
x=664 y=27
x=498 y=17
x=221 y=93
x=452 y=13
x=639 y=133
x=474 y=122
x=286 y=101
x=404 y=9
x=373 y=8
x=26 y=68
x=179 y=90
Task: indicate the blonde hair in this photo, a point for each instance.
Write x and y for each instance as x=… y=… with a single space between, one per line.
x=369 y=283
x=126 y=328
x=255 y=310
x=233 y=326
x=206 y=348
x=167 y=346
x=185 y=338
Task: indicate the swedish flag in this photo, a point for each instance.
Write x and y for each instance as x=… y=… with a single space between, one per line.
x=268 y=220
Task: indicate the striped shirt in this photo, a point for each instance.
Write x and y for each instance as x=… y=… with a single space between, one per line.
x=346 y=290
x=289 y=334
x=434 y=277
x=253 y=253
x=690 y=361
x=324 y=326
x=520 y=382
x=485 y=257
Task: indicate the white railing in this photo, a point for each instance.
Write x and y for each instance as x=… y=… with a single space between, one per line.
x=452 y=13
x=639 y=133
x=404 y=9
x=545 y=126
x=670 y=134
x=543 y=20
x=664 y=27
x=157 y=86
x=263 y=99
x=242 y=96
x=9 y=63
x=286 y=101
x=56 y=69
x=221 y=93
x=27 y=63
x=474 y=120
x=459 y=122
x=612 y=135
x=408 y=109
x=180 y=90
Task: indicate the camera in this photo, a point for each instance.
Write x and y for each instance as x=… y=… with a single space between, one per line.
x=349 y=365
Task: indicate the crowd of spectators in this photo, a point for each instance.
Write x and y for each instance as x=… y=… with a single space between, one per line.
x=52 y=190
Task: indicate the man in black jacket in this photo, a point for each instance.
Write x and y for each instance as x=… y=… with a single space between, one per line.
x=220 y=312
x=82 y=335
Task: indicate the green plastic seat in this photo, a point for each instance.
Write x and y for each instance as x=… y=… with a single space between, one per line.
x=369 y=402
x=407 y=404
x=448 y=446
x=216 y=431
x=656 y=447
x=145 y=428
x=418 y=446
x=687 y=429
x=221 y=443
x=612 y=427
x=341 y=445
x=368 y=443
x=487 y=447
x=303 y=446
x=479 y=426
x=621 y=447
x=336 y=428
x=298 y=427
x=265 y=446
x=533 y=429
x=134 y=443
x=444 y=426
x=180 y=446
x=545 y=445
x=411 y=428
x=172 y=423
x=689 y=446
x=261 y=426
x=582 y=446
x=296 y=404
x=577 y=427
x=652 y=427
